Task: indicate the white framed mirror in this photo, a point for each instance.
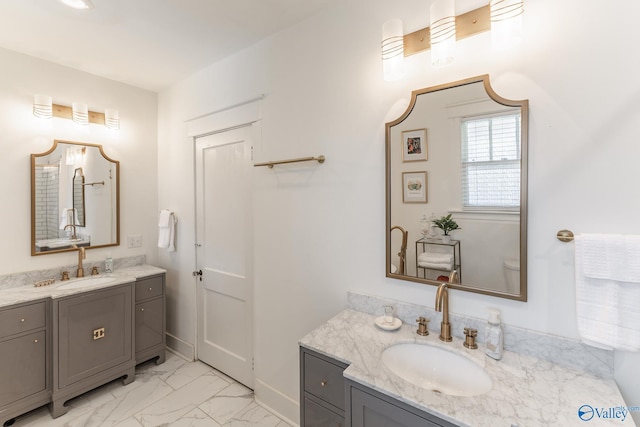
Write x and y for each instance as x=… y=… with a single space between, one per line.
x=75 y=191
x=459 y=151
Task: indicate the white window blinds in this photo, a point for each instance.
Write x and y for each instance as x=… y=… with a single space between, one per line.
x=491 y=162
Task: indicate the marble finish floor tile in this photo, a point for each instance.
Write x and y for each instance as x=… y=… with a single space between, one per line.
x=176 y=393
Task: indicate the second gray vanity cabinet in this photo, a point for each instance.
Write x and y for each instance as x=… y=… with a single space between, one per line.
x=321 y=390
x=150 y=319
x=25 y=368
x=93 y=342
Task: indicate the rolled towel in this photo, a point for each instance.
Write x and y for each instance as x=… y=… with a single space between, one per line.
x=166 y=230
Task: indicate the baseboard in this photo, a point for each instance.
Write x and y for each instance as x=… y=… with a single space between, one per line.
x=270 y=398
x=181 y=348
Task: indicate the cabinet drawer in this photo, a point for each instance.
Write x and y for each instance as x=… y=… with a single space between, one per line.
x=317 y=416
x=23 y=370
x=149 y=288
x=324 y=380
x=22 y=319
x=149 y=324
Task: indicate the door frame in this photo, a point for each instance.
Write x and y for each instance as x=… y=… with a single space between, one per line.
x=247 y=113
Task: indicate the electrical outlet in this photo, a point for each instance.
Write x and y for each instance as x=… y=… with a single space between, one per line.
x=134 y=240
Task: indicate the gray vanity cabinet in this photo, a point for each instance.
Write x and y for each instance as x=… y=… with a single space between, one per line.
x=322 y=397
x=369 y=408
x=93 y=342
x=150 y=319
x=25 y=371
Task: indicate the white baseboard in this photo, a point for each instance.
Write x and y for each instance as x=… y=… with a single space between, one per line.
x=182 y=348
x=276 y=402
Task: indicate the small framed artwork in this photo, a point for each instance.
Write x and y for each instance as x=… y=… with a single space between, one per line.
x=414 y=187
x=414 y=145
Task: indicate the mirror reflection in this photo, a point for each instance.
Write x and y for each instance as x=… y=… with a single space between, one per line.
x=456 y=189
x=74 y=198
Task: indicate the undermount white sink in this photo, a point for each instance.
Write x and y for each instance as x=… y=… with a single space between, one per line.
x=437 y=369
x=89 y=281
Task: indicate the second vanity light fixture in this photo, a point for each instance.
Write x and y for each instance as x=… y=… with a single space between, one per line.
x=43 y=107
x=502 y=17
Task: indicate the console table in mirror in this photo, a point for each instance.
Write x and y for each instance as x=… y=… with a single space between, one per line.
x=74 y=198
x=459 y=149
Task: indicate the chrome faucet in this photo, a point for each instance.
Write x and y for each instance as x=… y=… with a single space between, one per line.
x=81 y=255
x=73 y=235
x=442 y=304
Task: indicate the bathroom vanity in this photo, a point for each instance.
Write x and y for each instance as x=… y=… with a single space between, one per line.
x=345 y=382
x=62 y=340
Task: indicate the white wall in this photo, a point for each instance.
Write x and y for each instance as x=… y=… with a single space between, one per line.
x=22 y=134
x=319 y=231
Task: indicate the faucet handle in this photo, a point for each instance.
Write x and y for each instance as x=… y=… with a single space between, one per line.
x=423 y=326
x=94 y=270
x=65 y=275
x=470 y=340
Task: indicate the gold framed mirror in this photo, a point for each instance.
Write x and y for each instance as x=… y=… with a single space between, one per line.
x=459 y=151
x=75 y=198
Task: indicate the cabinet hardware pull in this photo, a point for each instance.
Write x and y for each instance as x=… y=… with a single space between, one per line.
x=35 y=341
x=98 y=333
x=323 y=383
x=22 y=320
x=150 y=289
x=142 y=309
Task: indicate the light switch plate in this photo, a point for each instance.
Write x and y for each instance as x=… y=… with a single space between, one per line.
x=134 y=240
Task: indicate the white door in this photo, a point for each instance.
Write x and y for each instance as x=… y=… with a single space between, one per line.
x=224 y=252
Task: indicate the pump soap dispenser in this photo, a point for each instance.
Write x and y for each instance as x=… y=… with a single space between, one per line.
x=493 y=335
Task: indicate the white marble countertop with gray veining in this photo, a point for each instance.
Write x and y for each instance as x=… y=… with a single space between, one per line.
x=30 y=292
x=526 y=392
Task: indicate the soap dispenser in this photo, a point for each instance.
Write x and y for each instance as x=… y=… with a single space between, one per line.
x=108 y=264
x=493 y=335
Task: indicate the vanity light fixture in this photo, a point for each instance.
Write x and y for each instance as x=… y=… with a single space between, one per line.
x=443 y=32
x=44 y=108
x=78 y=4
x=392 y=50
x=502 y=17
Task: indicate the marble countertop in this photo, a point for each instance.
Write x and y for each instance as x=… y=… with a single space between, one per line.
x=527 y=391
x=28 y=293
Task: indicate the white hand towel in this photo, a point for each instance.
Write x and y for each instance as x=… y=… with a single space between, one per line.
x=608 y=290
x=166 y=230
x=434 y=257
x=435 y=265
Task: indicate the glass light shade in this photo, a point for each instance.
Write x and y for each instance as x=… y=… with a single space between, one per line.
x=443 y=32
x=506 y=23
x=78 y=4
x=112 y=119
x=80 y=113
x=42 y=106
x=392 y=50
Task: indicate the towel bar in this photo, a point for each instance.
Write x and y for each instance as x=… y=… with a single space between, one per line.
x=319 y=159
x=565 y=236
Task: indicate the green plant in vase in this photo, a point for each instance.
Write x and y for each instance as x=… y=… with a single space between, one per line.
x=447 y=225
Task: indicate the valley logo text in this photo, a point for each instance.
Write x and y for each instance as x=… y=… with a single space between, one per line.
x=588 y=412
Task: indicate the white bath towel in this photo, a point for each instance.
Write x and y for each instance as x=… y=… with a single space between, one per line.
x=435 y=257
x=435 y=265
x=608 y=290
x=166 y=230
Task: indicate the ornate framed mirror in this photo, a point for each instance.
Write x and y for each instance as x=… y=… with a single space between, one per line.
x=459 y=151
x=75 y=198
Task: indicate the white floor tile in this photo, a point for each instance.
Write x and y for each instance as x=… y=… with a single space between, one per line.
x=228 y=402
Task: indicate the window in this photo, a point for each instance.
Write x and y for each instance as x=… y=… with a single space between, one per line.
x=491 y=162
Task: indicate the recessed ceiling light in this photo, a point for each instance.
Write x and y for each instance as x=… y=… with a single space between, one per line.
x=79 y=4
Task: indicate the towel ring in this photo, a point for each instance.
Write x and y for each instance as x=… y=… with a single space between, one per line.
x=565 y=236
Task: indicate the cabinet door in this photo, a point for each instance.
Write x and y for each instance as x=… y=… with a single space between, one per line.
x=94 y=333
x=370 y=411
x=318 y=416
x=149 y=324
x=23 y=367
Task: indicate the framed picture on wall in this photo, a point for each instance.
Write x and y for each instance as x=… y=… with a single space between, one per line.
x=414 y=145
x=414 y=187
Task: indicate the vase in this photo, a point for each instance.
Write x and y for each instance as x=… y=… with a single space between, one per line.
x=446 y=239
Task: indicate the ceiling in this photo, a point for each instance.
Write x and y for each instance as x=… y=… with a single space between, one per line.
x=145 y=43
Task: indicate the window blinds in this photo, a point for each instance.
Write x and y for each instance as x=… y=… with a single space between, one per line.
x=491 y=162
